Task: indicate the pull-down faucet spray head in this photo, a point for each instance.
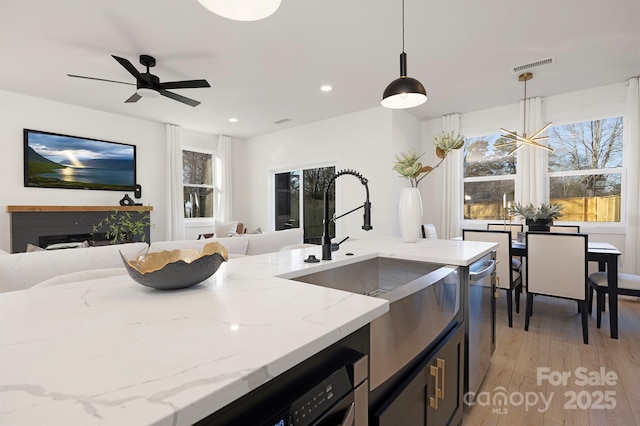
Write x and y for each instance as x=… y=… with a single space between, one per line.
x=326 y=238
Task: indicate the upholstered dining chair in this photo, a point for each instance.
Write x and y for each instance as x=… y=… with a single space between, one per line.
x=628 y=285
x=508 y=279
x=557 y=267
x=565 y=229
x=429 y=231
x=515 y=228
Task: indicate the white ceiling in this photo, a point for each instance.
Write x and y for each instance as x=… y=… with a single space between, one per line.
x=265 y=71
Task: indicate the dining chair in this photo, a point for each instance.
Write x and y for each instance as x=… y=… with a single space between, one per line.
x=628 y=285
x=565 y=229
x=557 y=267
x=507 y=278
x=429 y=231
x=515 y=228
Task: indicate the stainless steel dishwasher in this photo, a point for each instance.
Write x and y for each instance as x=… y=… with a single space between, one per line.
x=481 y=322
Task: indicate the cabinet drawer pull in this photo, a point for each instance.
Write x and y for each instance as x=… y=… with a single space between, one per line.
x=433 y=401
x=441 y=367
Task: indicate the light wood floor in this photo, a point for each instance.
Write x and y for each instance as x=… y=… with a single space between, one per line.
x=554 y=340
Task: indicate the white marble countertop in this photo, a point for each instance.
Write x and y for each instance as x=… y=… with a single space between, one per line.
x=112 y=352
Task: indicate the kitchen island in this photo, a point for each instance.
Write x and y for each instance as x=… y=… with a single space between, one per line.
x=110 y=351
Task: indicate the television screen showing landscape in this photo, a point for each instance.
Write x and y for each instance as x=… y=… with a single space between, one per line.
x=60 y=161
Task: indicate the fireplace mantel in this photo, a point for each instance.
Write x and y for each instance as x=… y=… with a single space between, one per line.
x=12 y=209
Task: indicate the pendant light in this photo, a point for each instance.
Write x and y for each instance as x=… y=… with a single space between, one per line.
x=404 y=92
x=512 y=138
x=242 y=10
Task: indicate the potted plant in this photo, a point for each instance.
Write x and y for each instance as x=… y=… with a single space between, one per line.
x=408 y=166
x=537 y=218
x=123 y=227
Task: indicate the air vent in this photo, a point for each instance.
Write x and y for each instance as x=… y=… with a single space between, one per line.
x=542 y=62
x=284 y=120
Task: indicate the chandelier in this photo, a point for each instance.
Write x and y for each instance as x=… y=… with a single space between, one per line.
x=512 y=138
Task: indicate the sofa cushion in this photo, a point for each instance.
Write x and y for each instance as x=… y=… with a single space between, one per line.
x=234 y=245
x=20 y=271
x=225 y=229
x=268 y=242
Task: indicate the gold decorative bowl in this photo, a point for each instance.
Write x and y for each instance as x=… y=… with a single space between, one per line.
x=174 y=269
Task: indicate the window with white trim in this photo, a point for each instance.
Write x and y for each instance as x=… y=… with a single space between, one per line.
x=197 y=183
x=585 y=169
x=489 y=174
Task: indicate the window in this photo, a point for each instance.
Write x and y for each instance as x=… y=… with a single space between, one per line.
x=197 y=183
x=585 y=169
x=290 y=206
x=489 y=174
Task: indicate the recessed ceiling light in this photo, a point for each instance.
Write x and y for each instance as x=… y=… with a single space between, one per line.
x=326 y=88
x=233 y=120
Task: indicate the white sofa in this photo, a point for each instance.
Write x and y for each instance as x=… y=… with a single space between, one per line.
x=20 y=271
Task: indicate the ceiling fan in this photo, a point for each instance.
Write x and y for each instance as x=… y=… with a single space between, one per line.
x=149 y=85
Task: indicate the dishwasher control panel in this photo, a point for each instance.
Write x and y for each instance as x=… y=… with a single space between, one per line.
x=330 y=399
x=320 y=398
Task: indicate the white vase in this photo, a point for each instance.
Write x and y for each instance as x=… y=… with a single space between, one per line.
x=410 y=214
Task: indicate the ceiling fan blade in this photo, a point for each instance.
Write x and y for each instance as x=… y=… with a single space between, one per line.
x=179 y=98
x=133 y=98
x=128 y=66
x=186 y=84
x=100 y=79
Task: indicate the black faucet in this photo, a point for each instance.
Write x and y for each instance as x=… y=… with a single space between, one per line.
x=326 y=238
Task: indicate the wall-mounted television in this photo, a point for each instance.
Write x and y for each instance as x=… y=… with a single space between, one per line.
x=53 y=160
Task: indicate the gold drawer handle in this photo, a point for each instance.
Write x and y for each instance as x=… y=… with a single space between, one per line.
x=441 y=366
x=433 y=401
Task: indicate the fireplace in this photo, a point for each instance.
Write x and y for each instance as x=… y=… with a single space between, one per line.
x=94 y=239
x=46 y=225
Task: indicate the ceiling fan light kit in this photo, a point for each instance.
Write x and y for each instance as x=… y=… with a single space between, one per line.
x=513 y=138
x=242 y=10
x=404 y=92
x=148 y=93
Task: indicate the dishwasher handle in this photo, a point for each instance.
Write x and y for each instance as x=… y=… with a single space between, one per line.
x=350 y=416
x=477 y=276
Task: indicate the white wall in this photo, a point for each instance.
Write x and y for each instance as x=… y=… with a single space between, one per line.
x=364 y=141
x=19 y=111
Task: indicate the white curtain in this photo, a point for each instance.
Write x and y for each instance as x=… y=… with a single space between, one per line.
x=631 y=149
x=174 y=204
x=225 y=207
x=531 y=161
x=452 y=186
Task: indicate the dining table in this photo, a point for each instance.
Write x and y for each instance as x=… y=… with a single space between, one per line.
x=607 y=256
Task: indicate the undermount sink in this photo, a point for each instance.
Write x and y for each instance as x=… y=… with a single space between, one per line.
x=423 y=300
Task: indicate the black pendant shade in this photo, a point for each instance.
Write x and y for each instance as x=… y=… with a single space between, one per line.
x=404 y=92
